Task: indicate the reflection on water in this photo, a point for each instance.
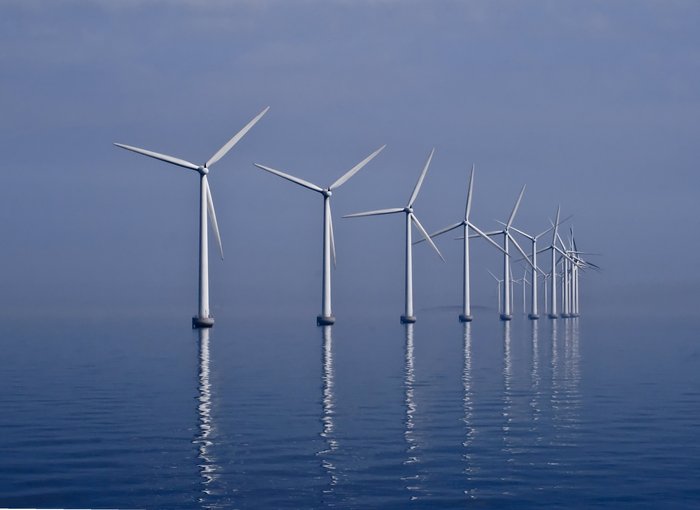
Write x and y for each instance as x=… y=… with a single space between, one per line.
x=412 y=479
x=508 y=446
x=535 y=381
x=468 y=405
x=328 y=410
x=203 y=440
x=566 y=395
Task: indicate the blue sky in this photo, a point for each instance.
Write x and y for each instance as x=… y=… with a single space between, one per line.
x=593 y=105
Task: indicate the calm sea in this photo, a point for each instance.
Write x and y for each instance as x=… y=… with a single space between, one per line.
x=592 y=412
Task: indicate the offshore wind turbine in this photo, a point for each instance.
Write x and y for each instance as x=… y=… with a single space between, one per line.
x=554 y=249
x=466 y=315
x=506 y=314
x=203 y=319
x=498 y=284
x=408 y=317
x=534 y=312
x=326 y=318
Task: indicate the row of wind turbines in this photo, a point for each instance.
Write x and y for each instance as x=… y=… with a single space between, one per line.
x=566 y=261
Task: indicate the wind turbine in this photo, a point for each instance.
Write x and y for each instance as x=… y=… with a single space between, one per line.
x=506 y=314
x=534 y=315
x=326 y=318
x=575 y=263
x=498 y=284
x=203 y=319
x=466 y=315
x=408 y=317
x=554 y=249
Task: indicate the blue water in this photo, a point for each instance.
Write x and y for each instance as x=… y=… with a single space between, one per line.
x=592 y=412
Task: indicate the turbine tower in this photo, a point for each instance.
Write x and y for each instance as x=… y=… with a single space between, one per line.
x=506 y=314
x=534 y=312
x=408 y=317
x=466 y=315
x=555 y=249
x=498 y=285
x=326 y=318
x=203 y=319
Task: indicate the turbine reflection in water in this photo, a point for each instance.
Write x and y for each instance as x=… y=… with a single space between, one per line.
x=328 y=409
x=507 y=393
x=468 y=405
x=566 y=396
x=207 y=467
x=412 y=479
x=535 y=381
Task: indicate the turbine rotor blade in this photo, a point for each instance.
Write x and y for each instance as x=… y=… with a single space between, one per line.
x=355 y=169
x=523 y=233
x=441 y=231
x=522 y=252
x=468 y=207
x=375 y=213
x=486 y=236
x=416 y=189
x=236 y=138
x=550 y=228
x=515 y=209
x=162 y=157
x=212 y=217
x=556 y=226
x=426 y=236
x=291 y=178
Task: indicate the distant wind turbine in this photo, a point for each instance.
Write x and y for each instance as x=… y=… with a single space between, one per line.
x=534 y=312
x=498 y=284
x=466 y=315
x=326 y=318
x=506 y=314
x=206 y=206
x=411 y=219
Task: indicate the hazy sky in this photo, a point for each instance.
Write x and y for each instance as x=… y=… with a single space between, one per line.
x=593 y=105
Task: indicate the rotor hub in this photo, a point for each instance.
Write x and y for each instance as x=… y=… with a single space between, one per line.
x=408 y=210
x=327 y=192
x=203 y=170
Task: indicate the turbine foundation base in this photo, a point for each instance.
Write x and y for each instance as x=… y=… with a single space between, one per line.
x=566 y=316
x=533 y=316
x=325 y=320
x=202 y=322
x=465 y=318
x=553 y=316
x=408 y=319
x=505 y=317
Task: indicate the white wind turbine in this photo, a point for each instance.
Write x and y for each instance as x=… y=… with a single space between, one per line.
x=534 y=312
x=411 y=218
x=466 y=315
x=554 y=249
x=203 y=319
x=571 y=263
x=506 y=314
x=326 y=318
x=498 y=284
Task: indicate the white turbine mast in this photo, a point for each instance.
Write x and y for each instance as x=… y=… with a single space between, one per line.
x=466 y=224
x=408 y=317
x=203 y=319
x=326 y=318
x=506 y=313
